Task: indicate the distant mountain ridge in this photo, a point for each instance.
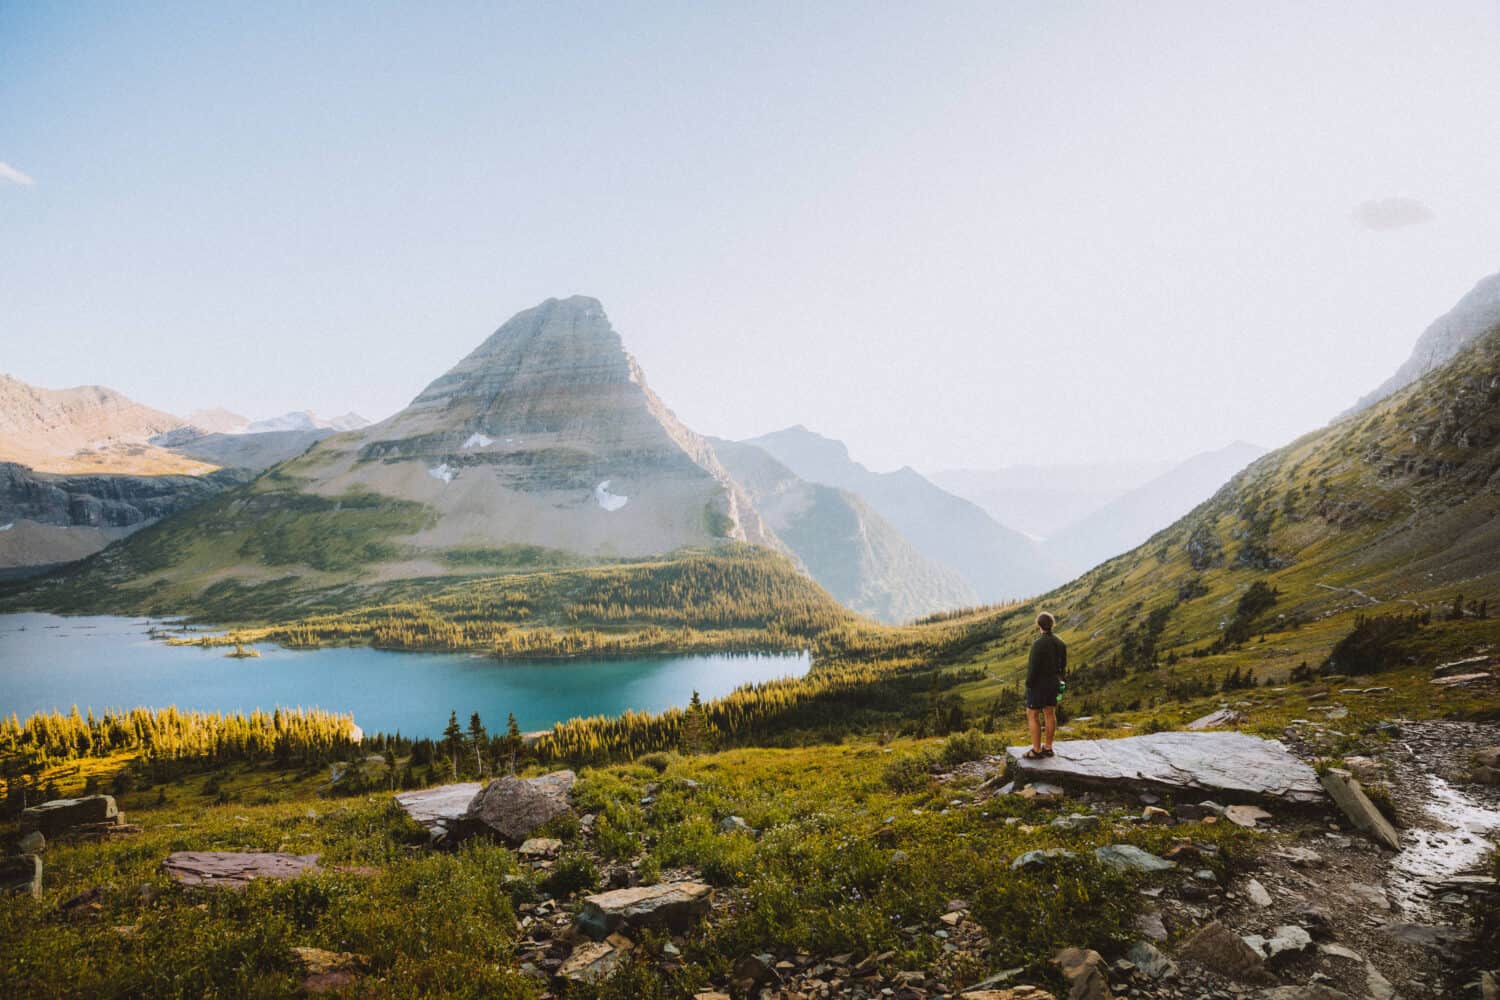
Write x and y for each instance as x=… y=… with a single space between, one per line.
x=857 y=556
x=997 y=562
x=87 y=428
x=1471 y=317
x=1129 y=520
x=1041 y=500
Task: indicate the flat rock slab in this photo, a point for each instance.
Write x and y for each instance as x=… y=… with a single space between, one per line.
x=59 y=815
x=1227 y=764
x=441 y=805
x=235 y=869
x=671 y=904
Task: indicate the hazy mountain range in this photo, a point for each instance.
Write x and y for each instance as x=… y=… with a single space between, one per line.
x=546 y=446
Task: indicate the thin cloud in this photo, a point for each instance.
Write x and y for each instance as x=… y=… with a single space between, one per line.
x=10 y=173
x=1392 y=213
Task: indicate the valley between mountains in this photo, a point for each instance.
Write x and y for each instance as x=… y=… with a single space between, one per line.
x=866 y=830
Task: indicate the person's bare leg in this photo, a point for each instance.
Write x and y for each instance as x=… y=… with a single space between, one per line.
x=1051 y=714
x=1034 y=723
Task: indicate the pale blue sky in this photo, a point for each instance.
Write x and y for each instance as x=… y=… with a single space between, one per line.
x=950 y=234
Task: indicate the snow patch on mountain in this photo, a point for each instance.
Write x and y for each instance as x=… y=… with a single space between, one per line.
x=477 y=440
x=608 y=500
x=445 y=472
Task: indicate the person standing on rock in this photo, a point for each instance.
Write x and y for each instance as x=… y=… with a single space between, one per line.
x=1044 y=674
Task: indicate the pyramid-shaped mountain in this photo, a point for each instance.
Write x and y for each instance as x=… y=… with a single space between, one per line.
x=545 y=435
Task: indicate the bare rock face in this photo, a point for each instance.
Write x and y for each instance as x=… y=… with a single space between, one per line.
x=61 y=815
x=514 y=808
x=1228 y=764
x=675 y=905
x=591 y=961
x=235 y=869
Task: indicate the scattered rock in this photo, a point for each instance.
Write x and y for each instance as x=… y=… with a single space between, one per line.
x=233 y=869
x=1345 y=791
x=32 y=843
x=1463 y=680
x=1085 y=972
x=735 y=824
x=1015 y=993
x=1234 y=763
x=1257 y=893
x=1377 y=987
x=1286 y=940
x=62 y=815
x=1156 y=815
x=1128 y=857
x=1223 y=717
x=672 y=904
x=1150 y=924
x=1033 y=860
x=1150 y=962
x=1246 y=816
x=1221 y=950
x=591 y=962
x=754 y=971
x=1300 y=856
x=21 y=875
x=1077 y=821
x=1424 y=935
x=325 y=971
x=540 y=848
x=513 y=808
x=1310 y=991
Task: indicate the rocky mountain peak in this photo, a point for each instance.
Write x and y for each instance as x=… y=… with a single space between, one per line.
x=545 y=434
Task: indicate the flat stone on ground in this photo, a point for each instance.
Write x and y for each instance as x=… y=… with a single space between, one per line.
x=445 y=803
x=21 y=875
x=671 y=904
x=1231 y=764
x=235 y=869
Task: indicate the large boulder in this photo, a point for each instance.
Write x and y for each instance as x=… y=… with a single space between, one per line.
x=1230 y=765
x=1128 y=857
x=61 y=815
x=675 y=905
x=21 y=875
x=235 y=869
x=514 y=808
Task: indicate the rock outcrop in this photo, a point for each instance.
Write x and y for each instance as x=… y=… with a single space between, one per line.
x=1227 y=764
x=64 y=815
x=54 y=519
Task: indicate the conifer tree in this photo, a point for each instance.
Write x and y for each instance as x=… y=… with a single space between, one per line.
x=692 y=726
x=514 y=743
x=477 y=736
x=453 y=740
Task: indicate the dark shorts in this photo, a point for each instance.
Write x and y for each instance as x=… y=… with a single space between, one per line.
x=1044 y=697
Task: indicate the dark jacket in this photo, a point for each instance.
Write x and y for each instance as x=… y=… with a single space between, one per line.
x=1048 y=662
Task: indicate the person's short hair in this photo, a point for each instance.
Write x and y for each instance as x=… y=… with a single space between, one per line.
x=1045 y=621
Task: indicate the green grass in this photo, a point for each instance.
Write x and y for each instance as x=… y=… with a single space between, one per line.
x=824 y=876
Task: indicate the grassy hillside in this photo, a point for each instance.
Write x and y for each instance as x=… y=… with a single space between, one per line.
x=1389 y=512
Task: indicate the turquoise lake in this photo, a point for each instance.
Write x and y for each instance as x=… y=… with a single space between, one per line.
x=101 y=662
